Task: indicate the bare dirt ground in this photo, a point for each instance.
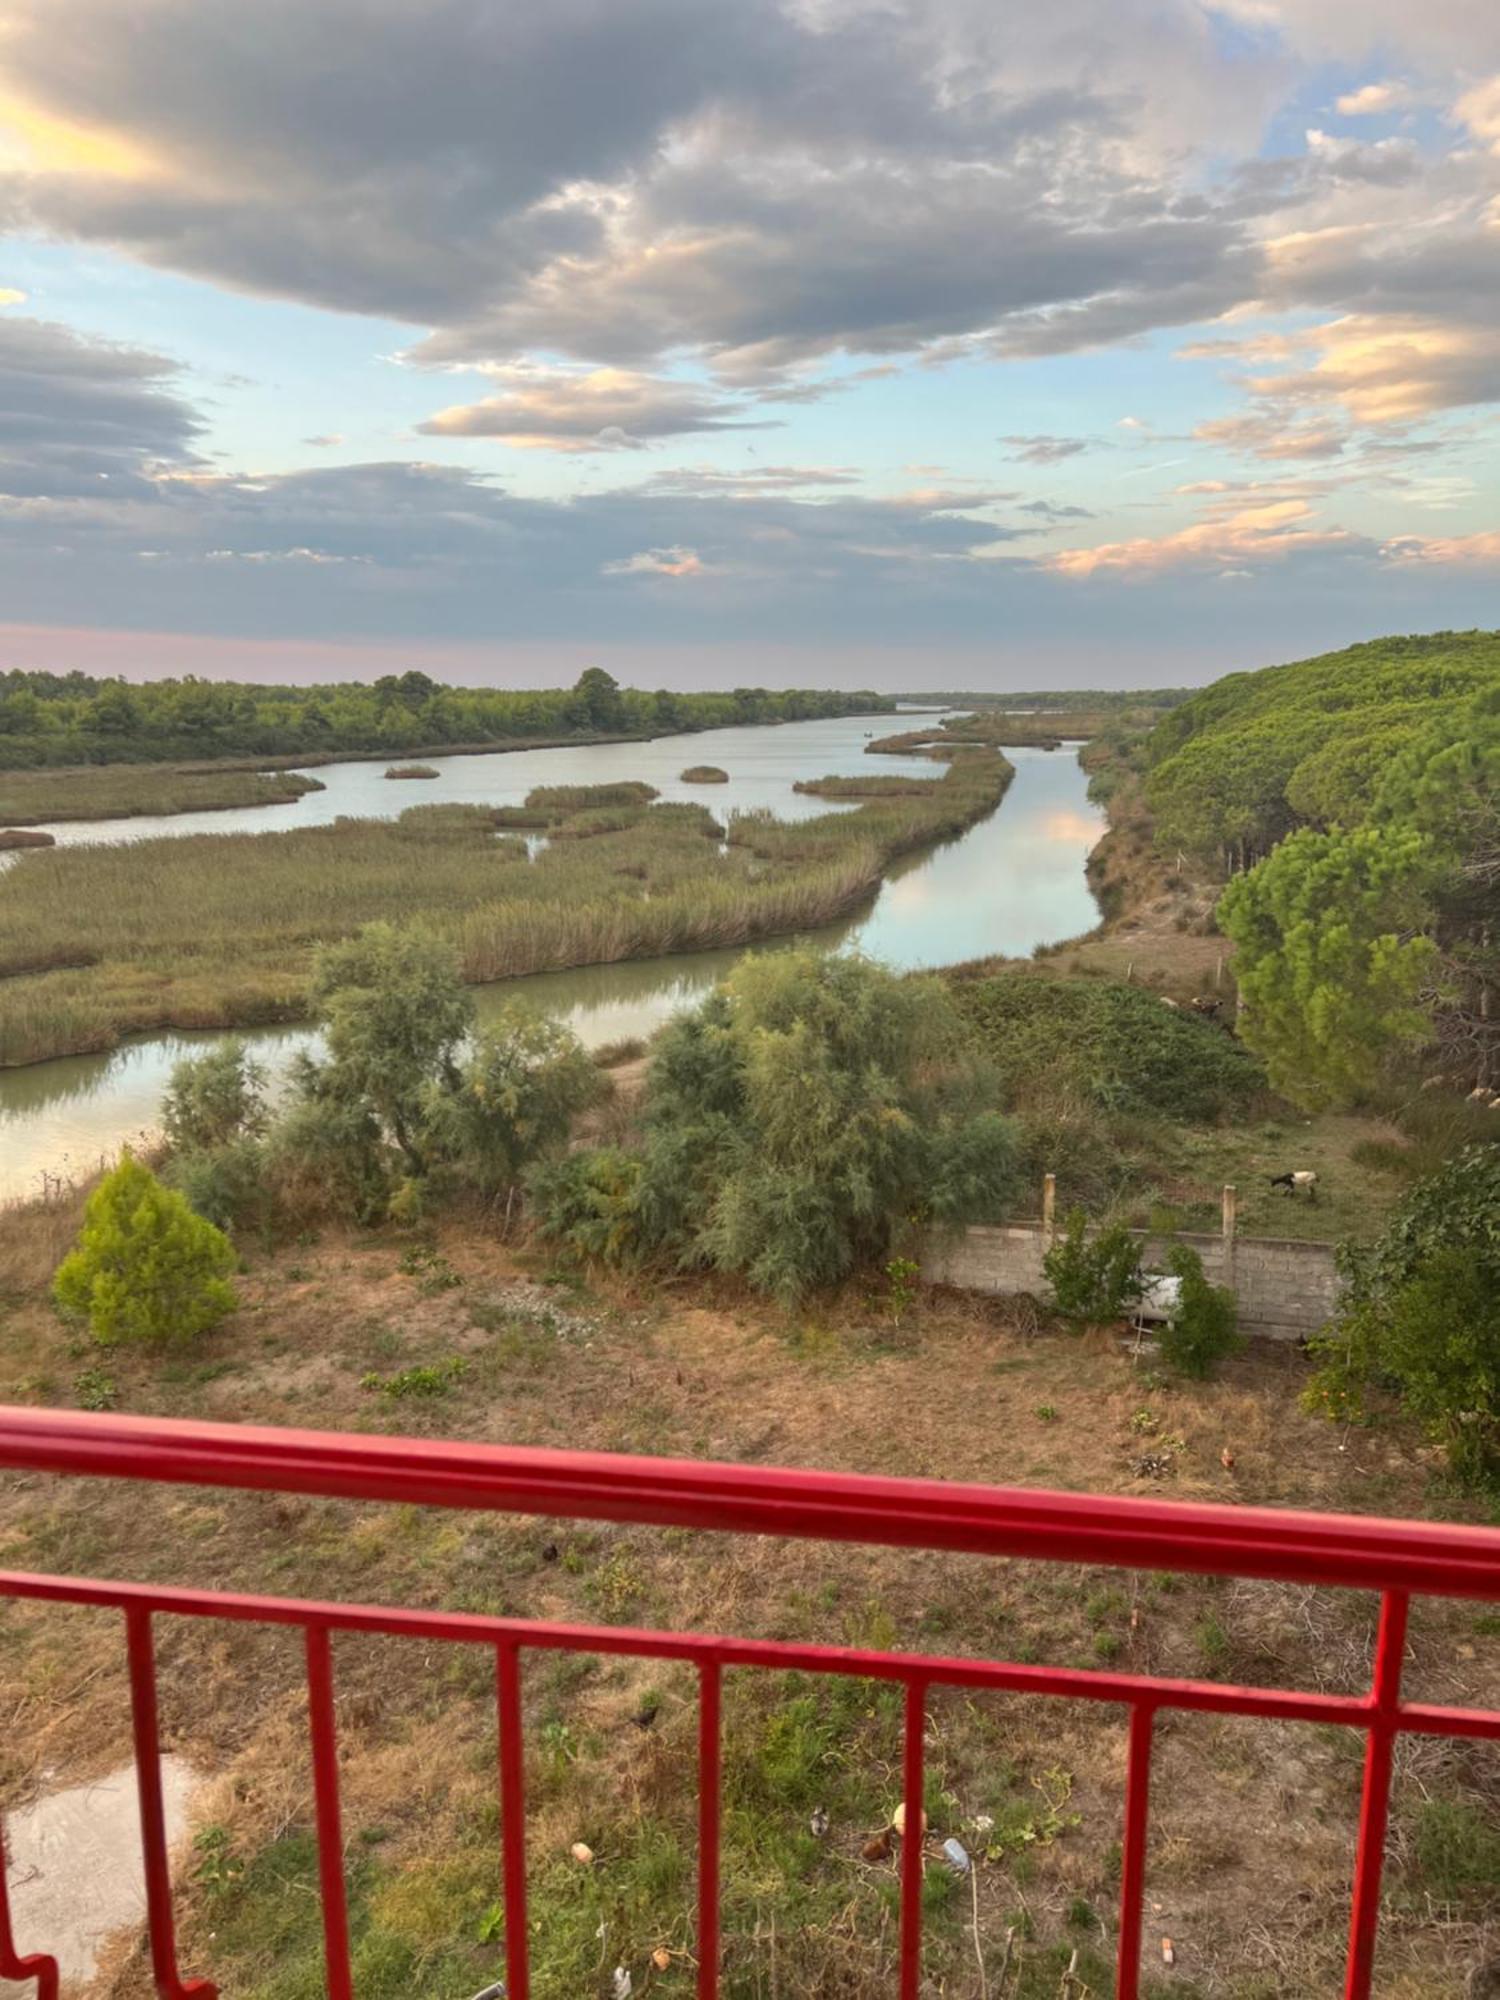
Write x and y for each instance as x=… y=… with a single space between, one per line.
x=1252 y=1829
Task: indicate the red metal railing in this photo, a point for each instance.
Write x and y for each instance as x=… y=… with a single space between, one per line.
x=1399 y=1559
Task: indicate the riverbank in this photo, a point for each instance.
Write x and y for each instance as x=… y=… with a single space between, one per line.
x=218 y=931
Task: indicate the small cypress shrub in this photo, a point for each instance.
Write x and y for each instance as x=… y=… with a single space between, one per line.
x=145 y=1268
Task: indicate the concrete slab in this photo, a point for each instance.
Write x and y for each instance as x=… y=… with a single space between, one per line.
x=75 y=1868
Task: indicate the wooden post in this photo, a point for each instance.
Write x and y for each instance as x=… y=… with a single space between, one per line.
x=1049 y=1205
x=1218 y=972
x=1228 y=1214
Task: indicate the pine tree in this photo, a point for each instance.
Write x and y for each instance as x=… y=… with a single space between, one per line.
x=145 y=1268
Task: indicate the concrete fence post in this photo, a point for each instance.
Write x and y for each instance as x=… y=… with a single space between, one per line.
x=1229 y=1213
x=1049 y=1206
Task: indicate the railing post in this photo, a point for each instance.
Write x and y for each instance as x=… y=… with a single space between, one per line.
x=913 y=1834
x=329 y=1819
x=1049 y=1206
x=146 y=1730
x=1133 y=1850
x=1374 y=1809
x=12 y=1965
x=513 y=1819
x=710 y=1752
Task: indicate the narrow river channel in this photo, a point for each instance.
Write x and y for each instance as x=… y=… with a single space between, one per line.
x=1014 y=881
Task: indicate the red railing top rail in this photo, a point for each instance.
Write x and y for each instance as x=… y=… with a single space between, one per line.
x=1434 y=1558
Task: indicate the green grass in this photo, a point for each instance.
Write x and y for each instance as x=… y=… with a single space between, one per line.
x=218 y=930
x=32 y=798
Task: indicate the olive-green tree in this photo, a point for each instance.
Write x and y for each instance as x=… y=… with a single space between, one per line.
x=1420 y=1316
x=145 y=1268
x=811 y=1110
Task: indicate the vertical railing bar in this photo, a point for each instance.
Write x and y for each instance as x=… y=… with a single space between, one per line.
x=710 y=1756
x=36 y=1965
x=913 y=1834
x=512 y=1818
x=1133 y=1849
x=145 y=1726
x=325 y=1763
x=1375 y=1801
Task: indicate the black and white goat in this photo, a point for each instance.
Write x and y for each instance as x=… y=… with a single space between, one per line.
x=1302 y=1177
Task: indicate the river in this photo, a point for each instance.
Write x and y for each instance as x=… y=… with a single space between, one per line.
x=1013 y=881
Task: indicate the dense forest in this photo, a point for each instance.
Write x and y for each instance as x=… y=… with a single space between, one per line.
x=1355 y=801
x=61 y=719
x=1251 y=758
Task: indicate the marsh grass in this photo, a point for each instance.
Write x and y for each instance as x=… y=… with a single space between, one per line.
x=29 y=798
x=218 y=930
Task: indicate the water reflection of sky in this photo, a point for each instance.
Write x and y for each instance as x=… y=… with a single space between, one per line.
x=763 y=761
x=1011 y=882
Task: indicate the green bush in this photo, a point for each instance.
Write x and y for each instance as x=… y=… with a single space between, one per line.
x=145 y=1268
x=1093 y=1280
x=589 y=1201
x=227 y=1185
x=409 y=1104
x=214 y=1099
x=1202 y=1331
x=1420 y=1318
x=811 y=1109
x=1114 y=1046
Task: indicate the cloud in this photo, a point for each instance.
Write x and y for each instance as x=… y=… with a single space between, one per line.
x=601 y=409
x=1371 y=99
x=1479 y=109
x=1481 y=549
x=761 y=183
x=1270 y=531
x=9 y=296
x=1046 y=511
x=657 y=562
x=1266 y=436
x=326 y=440
x=1043 y=449
x=85 y=418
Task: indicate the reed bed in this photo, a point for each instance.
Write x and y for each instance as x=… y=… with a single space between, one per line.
x=130 y=791
x=218 y=930
x=866 y=788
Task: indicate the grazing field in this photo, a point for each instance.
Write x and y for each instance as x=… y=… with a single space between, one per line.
x=218 y=930
x=1252 y=1825
x=29 y=798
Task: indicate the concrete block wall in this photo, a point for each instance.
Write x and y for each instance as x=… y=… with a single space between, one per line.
x=1284 y=1289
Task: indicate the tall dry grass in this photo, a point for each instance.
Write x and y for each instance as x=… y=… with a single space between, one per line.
x=219 y=930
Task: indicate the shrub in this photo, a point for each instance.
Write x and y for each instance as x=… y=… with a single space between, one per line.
x=1114 y=1046
x=807 y=1112
x=227 y=1185
x=1420 y=1316
x=1094 y=1280
x=1202 y=1331
x=589 y=1201
x=514 y=1098
x=146 y=1268
x=214 y=1099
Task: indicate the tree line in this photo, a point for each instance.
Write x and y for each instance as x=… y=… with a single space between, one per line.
x=59 y=719
x=1355 y=801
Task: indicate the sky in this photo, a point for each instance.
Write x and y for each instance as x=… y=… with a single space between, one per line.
x=897 y=343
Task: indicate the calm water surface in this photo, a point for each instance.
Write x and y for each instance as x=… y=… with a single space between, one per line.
x=1014 y=881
